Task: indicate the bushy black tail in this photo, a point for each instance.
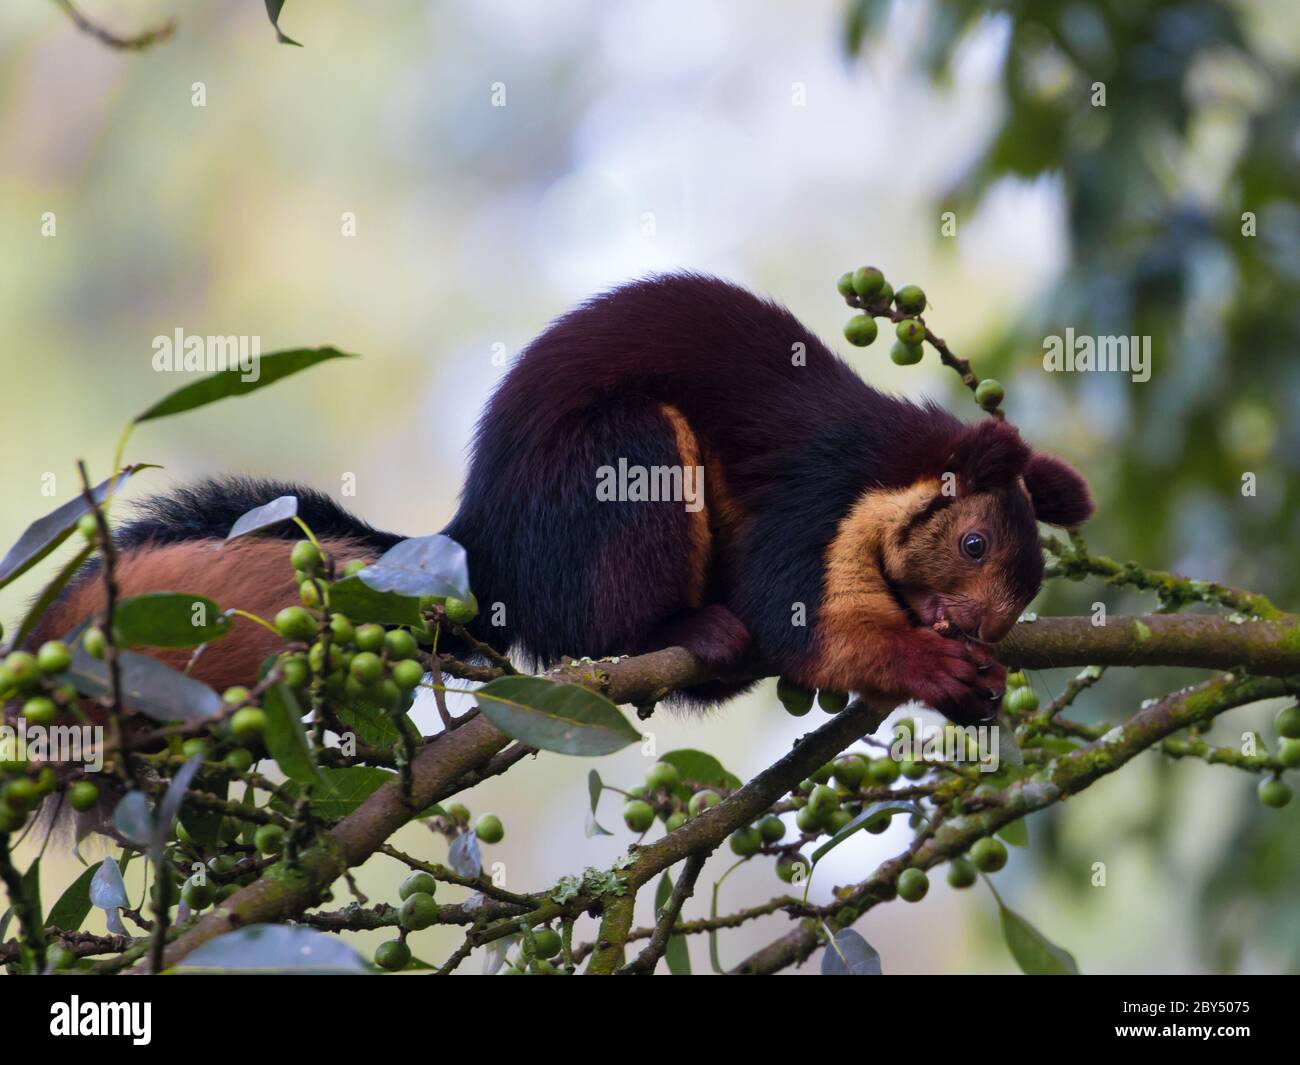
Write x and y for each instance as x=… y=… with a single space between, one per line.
x=208 y=509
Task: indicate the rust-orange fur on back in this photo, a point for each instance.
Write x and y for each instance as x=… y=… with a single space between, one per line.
x=252 y=574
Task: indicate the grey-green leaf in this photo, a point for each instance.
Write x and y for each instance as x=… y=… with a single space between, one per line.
x=275 y=948
x=170 y=807
x=225 y=384
x=1008 y=750
x=594 y=828
x=148 y=687
x=51 y=592
x=850 y=955
x=1016 y=833
x=564 y=718
x=133 y=819
x=107 y=890
x=286 y=739
x=273 y=8
x=284 y=508
x=45 y=534
x=1034 y=953
x=872 y=813
x=464 y=854
x=423 y=565
x=168 y=619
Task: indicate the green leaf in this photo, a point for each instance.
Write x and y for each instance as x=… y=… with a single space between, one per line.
x=274 y=948
x=285 y=738
x=872 y=813
x=362 y=603
x=273 y=8
x=564 y=718
x=45 y=534
x=1016 y=833
x=701 y=768
x=340 y=791
x=848 y=954
x=1035 y=954
x=676 y=953
x=371 y=725
x=228 y=383
x=148 y=687
x=594 y=787
x=282 y=509
x=168 y=619
x=170 y=807
x=32 y=885
x=204 y=826
x=74 y=904
x=46 y=599
x=423 y=565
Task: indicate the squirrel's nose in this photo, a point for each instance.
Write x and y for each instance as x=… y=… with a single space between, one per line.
x=993 y=628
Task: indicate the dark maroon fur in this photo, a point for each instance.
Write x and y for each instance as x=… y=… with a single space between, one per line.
x=556 y=571
x=989 y=455
x=798 y=443
x=1060 y=495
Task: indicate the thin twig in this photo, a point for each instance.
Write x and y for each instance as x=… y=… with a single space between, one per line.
x=136 y=42
x=684 y=888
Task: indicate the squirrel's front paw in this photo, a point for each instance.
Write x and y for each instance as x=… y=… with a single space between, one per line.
x=960 y=679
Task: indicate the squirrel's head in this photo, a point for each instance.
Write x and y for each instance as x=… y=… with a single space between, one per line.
x=963 y=549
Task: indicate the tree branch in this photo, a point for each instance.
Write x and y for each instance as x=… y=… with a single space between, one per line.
x=1206 y=641
x=1056 y=781
x=471 y=749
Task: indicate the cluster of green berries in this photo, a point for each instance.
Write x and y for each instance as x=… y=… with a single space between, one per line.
x=536 y=953
x=867 y=288
x=40 y=681
x=988 y=855
x=798 y=701
x=20 y=794
x=1020 y=700
x=1274 y=791
x=223 y=874
x=830 y=798
x=867 y=285
x=487 y=827
x=666 y=796
x=310 y=567
x=361 y=663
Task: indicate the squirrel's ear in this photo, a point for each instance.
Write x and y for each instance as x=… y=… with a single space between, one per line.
x=1059 y=493
x=989 y=454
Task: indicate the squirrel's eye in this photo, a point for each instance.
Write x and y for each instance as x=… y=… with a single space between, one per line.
x=973 y=546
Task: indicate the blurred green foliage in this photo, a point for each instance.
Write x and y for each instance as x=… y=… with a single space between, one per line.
x=1173 y=129
x=1199 y=126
